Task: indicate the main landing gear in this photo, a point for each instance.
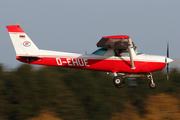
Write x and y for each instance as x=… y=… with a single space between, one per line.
x=119 y=82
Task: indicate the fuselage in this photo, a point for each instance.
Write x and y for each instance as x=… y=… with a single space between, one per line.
x=104 y=59
x=110 y=63
x=117 y=54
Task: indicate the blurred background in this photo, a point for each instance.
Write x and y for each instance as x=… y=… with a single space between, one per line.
x=53 y=93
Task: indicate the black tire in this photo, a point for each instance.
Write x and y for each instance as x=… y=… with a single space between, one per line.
x=120 y=86
x=152 y=85
x=118 y=81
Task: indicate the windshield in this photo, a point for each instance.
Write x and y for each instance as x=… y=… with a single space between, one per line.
x=139 y=51
x=100 y=51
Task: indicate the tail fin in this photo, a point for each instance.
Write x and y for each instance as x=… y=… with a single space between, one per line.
x=21 y=42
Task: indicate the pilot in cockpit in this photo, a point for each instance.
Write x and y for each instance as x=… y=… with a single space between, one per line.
x=119 y=53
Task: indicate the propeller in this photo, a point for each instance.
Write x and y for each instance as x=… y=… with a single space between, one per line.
x=167 y=64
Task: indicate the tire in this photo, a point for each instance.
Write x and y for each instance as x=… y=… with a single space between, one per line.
x=152 y=85
x=120 y=86
x=118 y=81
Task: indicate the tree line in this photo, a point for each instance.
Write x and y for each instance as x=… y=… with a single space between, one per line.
x=73 y=94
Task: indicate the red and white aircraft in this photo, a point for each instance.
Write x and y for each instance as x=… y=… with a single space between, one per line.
x=117 y=54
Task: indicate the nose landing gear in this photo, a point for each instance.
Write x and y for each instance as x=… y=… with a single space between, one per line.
x=152 y=84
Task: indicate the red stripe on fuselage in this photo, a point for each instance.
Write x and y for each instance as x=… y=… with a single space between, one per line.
x=123 y=66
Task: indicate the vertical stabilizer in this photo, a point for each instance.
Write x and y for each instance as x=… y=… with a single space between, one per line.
x=21 y=42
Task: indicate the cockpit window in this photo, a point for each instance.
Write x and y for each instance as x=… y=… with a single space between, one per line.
x=139 y=51
x=100 y=51
x=121 y=52
x=118 y=52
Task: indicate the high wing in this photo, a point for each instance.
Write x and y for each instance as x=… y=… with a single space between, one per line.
x=119 y=42
x=116 y=42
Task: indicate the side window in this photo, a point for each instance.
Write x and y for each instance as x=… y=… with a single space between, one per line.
x=121 y=52
x=118 y=52
x=100 y=51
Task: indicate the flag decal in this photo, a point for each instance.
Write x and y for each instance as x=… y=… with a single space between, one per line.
x=22 y=36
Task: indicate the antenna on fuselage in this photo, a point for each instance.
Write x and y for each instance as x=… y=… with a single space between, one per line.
x=85 y=52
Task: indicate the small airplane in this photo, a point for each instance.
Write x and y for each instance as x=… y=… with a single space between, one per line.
x=117 y=55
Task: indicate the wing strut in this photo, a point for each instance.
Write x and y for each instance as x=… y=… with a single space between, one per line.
x=131 y=53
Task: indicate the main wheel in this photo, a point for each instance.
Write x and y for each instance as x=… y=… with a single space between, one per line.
x=118 y=81
x=152 y=85
x=120 y=86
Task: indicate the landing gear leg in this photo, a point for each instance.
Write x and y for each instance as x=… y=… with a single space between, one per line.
x=152 y=84
x=118 y=81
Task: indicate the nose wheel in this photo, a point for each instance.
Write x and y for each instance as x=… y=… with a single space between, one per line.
x=152 y=84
